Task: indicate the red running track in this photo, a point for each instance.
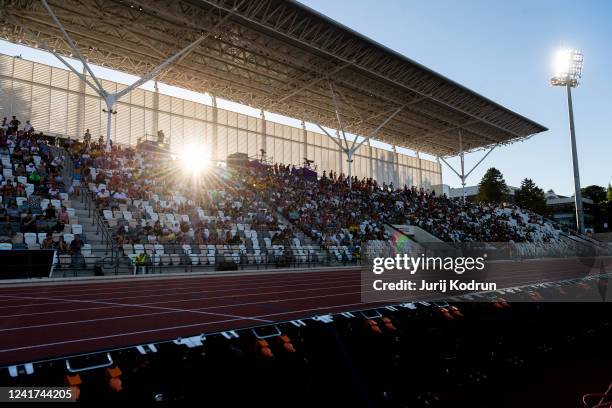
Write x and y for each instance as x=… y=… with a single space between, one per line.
x=42 y=321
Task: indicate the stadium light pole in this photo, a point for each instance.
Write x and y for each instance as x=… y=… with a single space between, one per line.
x=568 y=67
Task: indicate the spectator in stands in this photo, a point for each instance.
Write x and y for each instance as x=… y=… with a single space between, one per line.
x=54 y=192
x=14 y=125
x=87 y=137
x=13 y=212
x=28 y=128
x=63 y=215
x=60 y=246
x=5 y=125
x=75 y=251
x=50 y=212
x=6 y=233
x=47 y=242
x=102 y=197
x=34 y=178
x=28 y=223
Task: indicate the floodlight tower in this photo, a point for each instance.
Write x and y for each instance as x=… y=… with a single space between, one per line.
x=568 y=67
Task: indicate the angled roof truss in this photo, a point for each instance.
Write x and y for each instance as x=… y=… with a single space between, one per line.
x=279 y=56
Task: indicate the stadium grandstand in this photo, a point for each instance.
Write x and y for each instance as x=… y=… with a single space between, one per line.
x=153 y=244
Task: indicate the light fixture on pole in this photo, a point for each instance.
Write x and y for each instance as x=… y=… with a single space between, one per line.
x=568 y=69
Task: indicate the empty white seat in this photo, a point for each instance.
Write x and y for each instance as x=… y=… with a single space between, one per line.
x=86 y=249
x=108 y=214
x=77 y=229
x=57 y=204
x=71 y=212
x=29 y=238
x=139 y=249
x=68 y=238
x=5 y=246
x=41 y=236
x=159 y=249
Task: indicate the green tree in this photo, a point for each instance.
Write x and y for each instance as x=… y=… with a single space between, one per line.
x=595 y=193
x=609 y=193
x=599 y=209
x=492 y=187
x=531 y=197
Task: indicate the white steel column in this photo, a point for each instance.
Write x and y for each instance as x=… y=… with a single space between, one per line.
x=462 y=176
x=214 y=143
x=264 y=133
x=111 y=98
x=155 y=108
x=350 y=150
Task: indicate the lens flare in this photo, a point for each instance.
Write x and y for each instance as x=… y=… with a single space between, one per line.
x=195 y=159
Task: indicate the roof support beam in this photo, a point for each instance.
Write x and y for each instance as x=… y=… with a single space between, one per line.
x=462 y=176
x=71 y=44
x=350 y=151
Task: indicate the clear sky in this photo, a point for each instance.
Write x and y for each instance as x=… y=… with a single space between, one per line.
x=503 y=50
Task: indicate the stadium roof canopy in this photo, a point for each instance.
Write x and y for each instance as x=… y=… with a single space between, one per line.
x=280 y=56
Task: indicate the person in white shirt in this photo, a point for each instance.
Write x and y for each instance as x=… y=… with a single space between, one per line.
x=120 y=196
x=28 y=127
x=54 y=192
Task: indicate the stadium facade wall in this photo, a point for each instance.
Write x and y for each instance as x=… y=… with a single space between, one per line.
x=55 y=100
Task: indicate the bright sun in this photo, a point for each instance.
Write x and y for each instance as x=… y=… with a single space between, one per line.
x=195 y=159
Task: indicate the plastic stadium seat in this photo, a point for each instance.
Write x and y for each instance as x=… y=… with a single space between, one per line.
x=86 y=249
x=34 y=246
x=195 y=259
x=77 y=229
x=65 y=260
x=4 y=246
x=41 y=237
x=139 y=249
x=176 y=259
x=159 y=249
x=90 y=260
x=68 y=238
x=29 y=238
x=164 y=259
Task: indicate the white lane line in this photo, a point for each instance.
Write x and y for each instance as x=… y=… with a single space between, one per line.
x=169 y=312
x=209 y=323
x=176 y=301
x=159 y=284
x=147 y=307
x=171 y=300
x=194 y=291
x=161 y=329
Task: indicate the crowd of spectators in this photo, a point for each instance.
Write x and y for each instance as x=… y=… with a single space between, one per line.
x=149 y=186
x=334 y=214
x=31 y=175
